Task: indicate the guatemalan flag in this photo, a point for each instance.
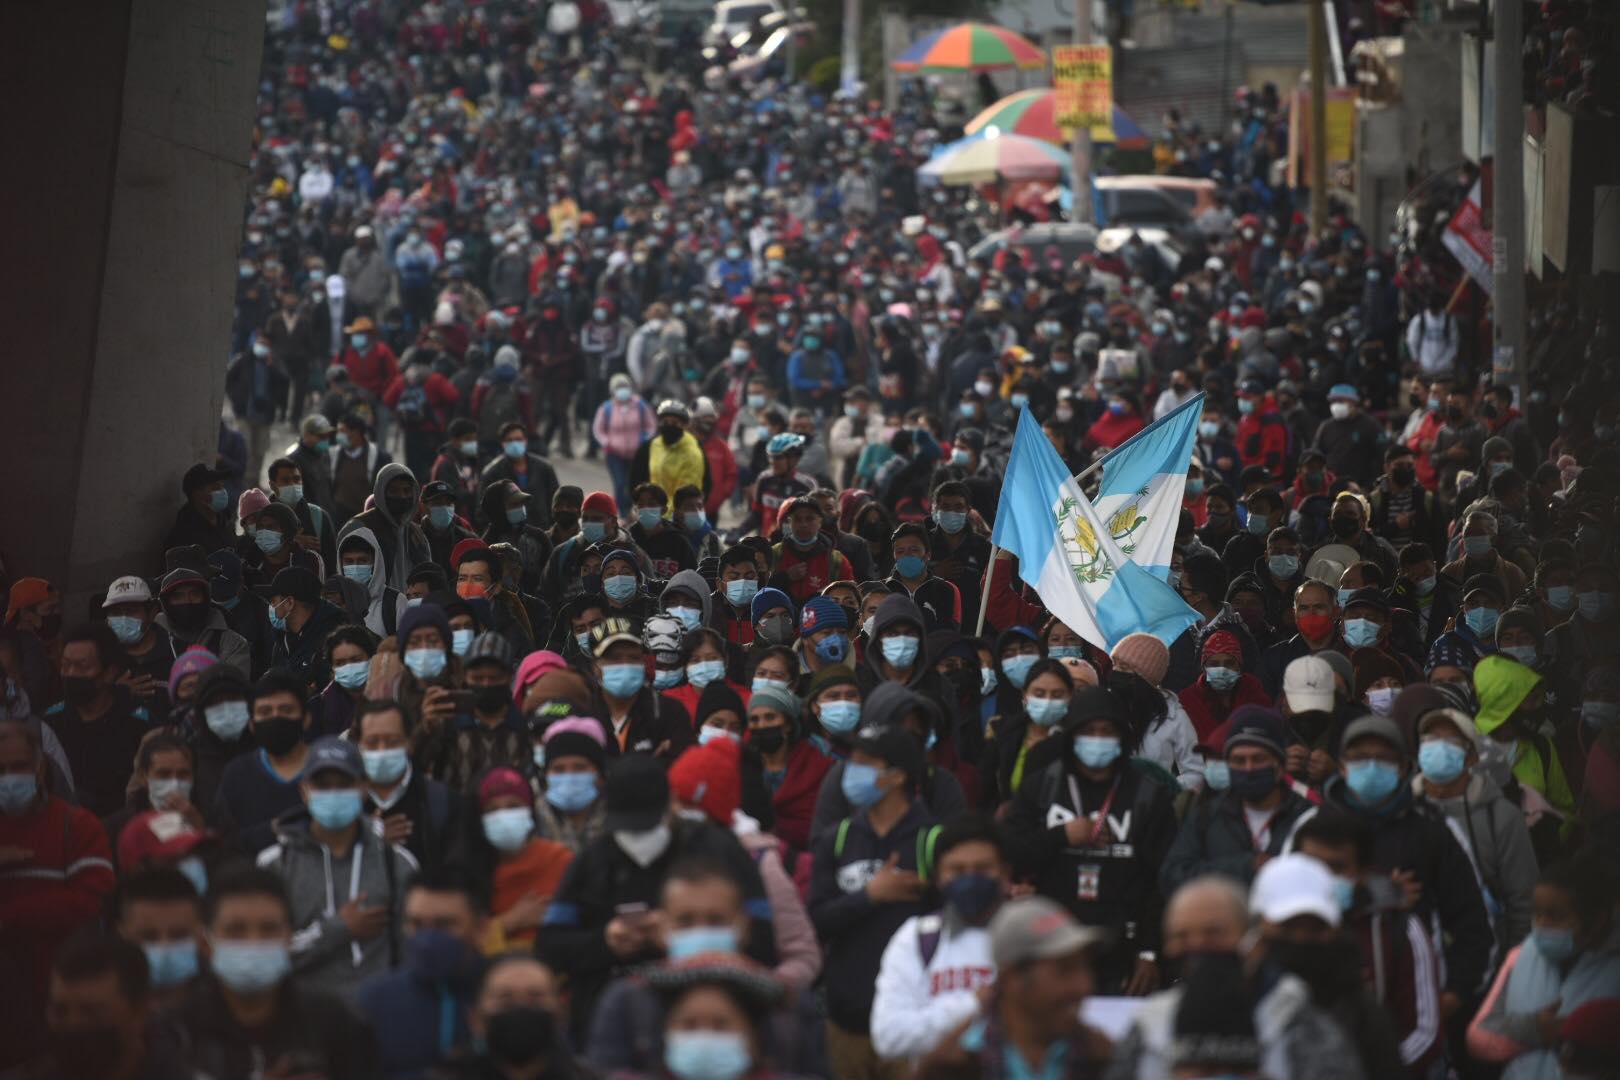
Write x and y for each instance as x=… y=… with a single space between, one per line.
x=1101 y=569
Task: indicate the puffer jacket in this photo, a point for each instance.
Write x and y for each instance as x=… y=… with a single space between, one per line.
x=324 y=954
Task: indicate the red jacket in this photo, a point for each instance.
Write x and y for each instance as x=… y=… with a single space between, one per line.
x=795 y=801
x=1111 y=430
x=1262 y=437
x=722 y=472
x=824 y=564
x=441 y=397
x=373 y=371
x=1207 y=711
x=1011 y=602
x=56 y=890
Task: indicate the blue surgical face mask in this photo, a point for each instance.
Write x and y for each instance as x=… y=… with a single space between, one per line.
x=17 y=792
x=592 y=531
x=217 y=502
x=1019 y=399
x=1344 y=597
x=619 y=587
x=1096 y=751
x=1360 y=633
x=291 y=494
x=708 y=733
x=517 y=515
x=571 y=792
x=1283 y=567
x=278 y=621
x=1482 y=620
x=508 y=830
x=461 y=641
x=1477 y=545
x=358 y=572
x=268 y=541
x=910 y=566
x=701 y=939
x=833 y=648
x=706 y=1055
x=515 y=448
x=172 y=963
x=470 y=447
x=700 y=673
x=900 y=651
x=624 y=680
x=952 y=521
x=1258 y=524
x=1441 y=761
x=250 y=967
x=1595 y=605
x=440 y=517
x=335 y=809
x=1344 y=891
x=1222 y=678
x=1208 y=428
x=648 y=517
x=1065 y=652
x=1217 y=775
x=668 y=678
x=126 y=629
x=351 y=676
x=691 y=617
x=694 y=520
x=968 y=411
x=1045 y=712
x=740 y=592
x=1561 y=597
x=227 y=719
x=385 y=766
x=1557 y=945
x=1524 y=654
x=840 y=717
x=1017 y=668
x=425 y=663
x=987 y=681
x=859 y=784
x=1372 y=781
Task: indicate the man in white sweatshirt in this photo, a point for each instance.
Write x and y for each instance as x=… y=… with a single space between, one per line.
x=936 y=964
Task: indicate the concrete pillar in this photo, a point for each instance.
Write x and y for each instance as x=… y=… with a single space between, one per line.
x=130 y=124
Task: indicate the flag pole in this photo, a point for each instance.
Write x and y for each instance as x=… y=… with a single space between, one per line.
x=990 y=568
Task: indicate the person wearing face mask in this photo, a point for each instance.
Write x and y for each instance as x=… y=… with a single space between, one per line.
x=315 y=530
x=720 y=1015
x=325 y=849
x=455 y=471
x=160 y=910
x=1237 y=831
x=1592 y=634
x=1378 y=680
x=599 y=529
x=868 y=877
x=493 y=734
x=1223 y=687
x=164 y=773
x=392 y=520
x=638 y=718
x=219 y=733
x=895 y=652
x=1018 y=745
x=1512 y=704
x=824 y=637
x=792 y=766
x=806 y=559
x=1569 y=960
x=731 y=603
x=98 y=725
x=1265 y=513
x=508 y=515
x=1349 y=437
x=251 y=1009
x=1427 y=598
x=1091 y=831
x=1472 y=635
x=1369 y=624
x=354 y=462
x=1168 y=738
x=443 y=524
x=514 y=1026
x=410 y=807
x=601 y=916
x=1478 y=555
x=780 y=481
x=1262 y=434
x=570 y=760
x=1493 y=826
x=1413 y=843
x=192 y=621
x=148 y=649
x=205 y=517
x=935 y=965
x=67 y=851
x=300 y=621
x=773 y=619
x=856 y=428
x=524 y=868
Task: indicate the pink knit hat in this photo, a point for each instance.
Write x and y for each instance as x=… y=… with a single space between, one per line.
x=194 y=661
x=1143 y=654
x=531 y=668
x=252 y=501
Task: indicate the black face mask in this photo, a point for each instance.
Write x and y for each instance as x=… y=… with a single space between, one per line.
x=672 y=435
x=1252 y=785
x=1403 y=474
x=87 y=1052
x=519 y=1035
x=768 y=740
x=491 y=699
x=1330 y=970
x=1454 y=414
x=187 y=618
x=873 y=531
x=1344 y=527
x=79 y=690
x=400 y=507
x=1178 y=968
x=564 y=522
x=965 y=683
x=278 y=735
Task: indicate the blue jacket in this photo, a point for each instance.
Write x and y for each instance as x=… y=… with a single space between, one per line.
x=420 y=1020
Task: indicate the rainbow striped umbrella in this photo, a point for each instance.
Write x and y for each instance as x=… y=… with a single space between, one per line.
x=971 y=47
x=990 y=157
x=1032 y=113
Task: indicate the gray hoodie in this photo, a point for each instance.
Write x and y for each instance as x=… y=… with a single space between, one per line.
x=1492 y=830
x=319 y=885
x=689 y=581
x=403 y=544
x=377 y=589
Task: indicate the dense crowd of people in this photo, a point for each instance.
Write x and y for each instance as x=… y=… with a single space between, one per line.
x=401 y=758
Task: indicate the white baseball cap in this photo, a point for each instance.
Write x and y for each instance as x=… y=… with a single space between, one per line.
x=1308 y=684
x=127 y=590
x=1291 y=885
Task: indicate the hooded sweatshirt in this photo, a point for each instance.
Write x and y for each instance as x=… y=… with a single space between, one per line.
x=319 y=884
x=402 y=542
x=689 y=581
x=1502 y=685
x=1493 y=832
x=378 y=593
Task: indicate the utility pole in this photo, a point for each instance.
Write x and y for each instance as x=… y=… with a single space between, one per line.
x=1080 y=144
x=1507 y=198
x=1318 y=173
x=849 y=74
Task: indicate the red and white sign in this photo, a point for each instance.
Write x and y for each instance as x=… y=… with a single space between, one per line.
x=1467 y=238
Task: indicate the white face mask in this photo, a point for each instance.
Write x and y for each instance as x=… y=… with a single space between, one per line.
x=644 y=846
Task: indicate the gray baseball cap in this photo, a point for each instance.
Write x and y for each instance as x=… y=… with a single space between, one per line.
x=1035 y=928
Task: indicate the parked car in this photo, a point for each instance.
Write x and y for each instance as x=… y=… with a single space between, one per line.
x=1146 y=200
x=732 y=17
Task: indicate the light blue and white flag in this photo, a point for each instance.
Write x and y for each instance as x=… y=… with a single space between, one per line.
x=1071 y=557
x=1142 y=483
